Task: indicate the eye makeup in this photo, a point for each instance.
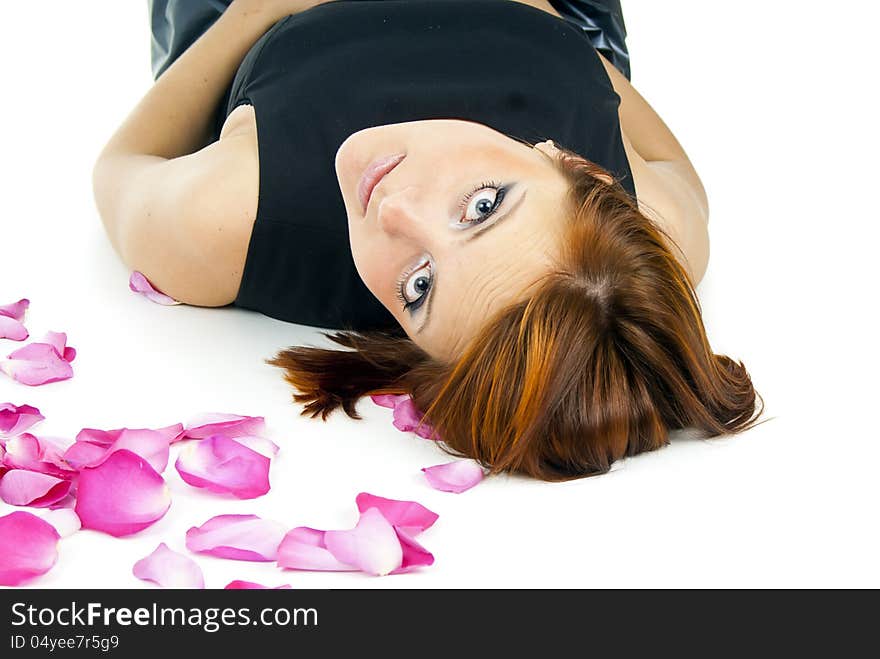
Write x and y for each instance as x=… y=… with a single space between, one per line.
x=404 y=282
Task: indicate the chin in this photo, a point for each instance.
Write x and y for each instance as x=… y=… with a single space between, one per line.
x=342 y=162
x=347 y=175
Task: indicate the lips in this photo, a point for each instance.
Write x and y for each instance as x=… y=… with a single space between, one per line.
x=373 y=174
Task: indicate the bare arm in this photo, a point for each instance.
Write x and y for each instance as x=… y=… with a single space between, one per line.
x=652 y=139
x=172 y=203
x=670 y=191
x=174 y=117
x=171 y=121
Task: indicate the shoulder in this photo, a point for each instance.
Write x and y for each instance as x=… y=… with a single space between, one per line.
x=223 y=204
x=668 y=190
x=185 y=222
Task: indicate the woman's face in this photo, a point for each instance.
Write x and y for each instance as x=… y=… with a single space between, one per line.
x=461 y=223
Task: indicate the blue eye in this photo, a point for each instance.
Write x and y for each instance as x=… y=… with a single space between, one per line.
x=413 y=287
x=482 y=202
x=477 y=206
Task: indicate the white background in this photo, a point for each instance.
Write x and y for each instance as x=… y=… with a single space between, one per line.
x=775 y=106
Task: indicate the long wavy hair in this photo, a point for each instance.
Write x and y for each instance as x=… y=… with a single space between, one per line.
x=606 y=356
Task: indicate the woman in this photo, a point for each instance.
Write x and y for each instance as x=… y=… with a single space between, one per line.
x=501 y=225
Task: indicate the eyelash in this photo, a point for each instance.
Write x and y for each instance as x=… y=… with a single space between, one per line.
x=463 y=207
x=400 y=284
x=484 y=185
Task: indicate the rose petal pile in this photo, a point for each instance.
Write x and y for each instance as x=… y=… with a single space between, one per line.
x=112 y=480
x=381 y=543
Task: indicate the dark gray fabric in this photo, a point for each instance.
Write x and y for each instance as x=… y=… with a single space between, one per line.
x=301 y=231
x=602 y=22
x=176 y=24
x=498 y=60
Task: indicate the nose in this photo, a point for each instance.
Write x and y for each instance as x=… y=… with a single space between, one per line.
x=398 y=215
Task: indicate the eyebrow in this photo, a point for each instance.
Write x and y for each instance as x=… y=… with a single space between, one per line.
x=476 y=234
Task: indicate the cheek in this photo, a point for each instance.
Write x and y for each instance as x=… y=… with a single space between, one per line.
x=374 y=267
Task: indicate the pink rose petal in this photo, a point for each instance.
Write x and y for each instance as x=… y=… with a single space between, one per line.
x=53 y=447
x=58 y=340
x=151 y=445
x=19 y=487
x=65 y=521
x=11 y=317
x=220 y=464
x=231 y=425
x=389 y=400
x=456 y=476
x=179 y=436
x=261 y=445
x=23 y=449
x=108 y=437
x=239 y=537
x=372 y=545
x=138 y=283
x=410 y=517
x=303 y=548
x=15 y=310
x=10 y=328
x=26 y=451
x=172 y=432
x=85 y=454
x=250 y=585
x=67 y=502
x=15 y=419
x=407 y=417
x=414 y=555
x=122 y=495
x=169 y=569
x=99 y=437
x=36 y=364
x=28 y=547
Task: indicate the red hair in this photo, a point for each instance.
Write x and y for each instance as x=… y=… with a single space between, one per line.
x=605 y=357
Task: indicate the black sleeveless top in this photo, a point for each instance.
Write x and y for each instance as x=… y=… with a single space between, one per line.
x=320 y=75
